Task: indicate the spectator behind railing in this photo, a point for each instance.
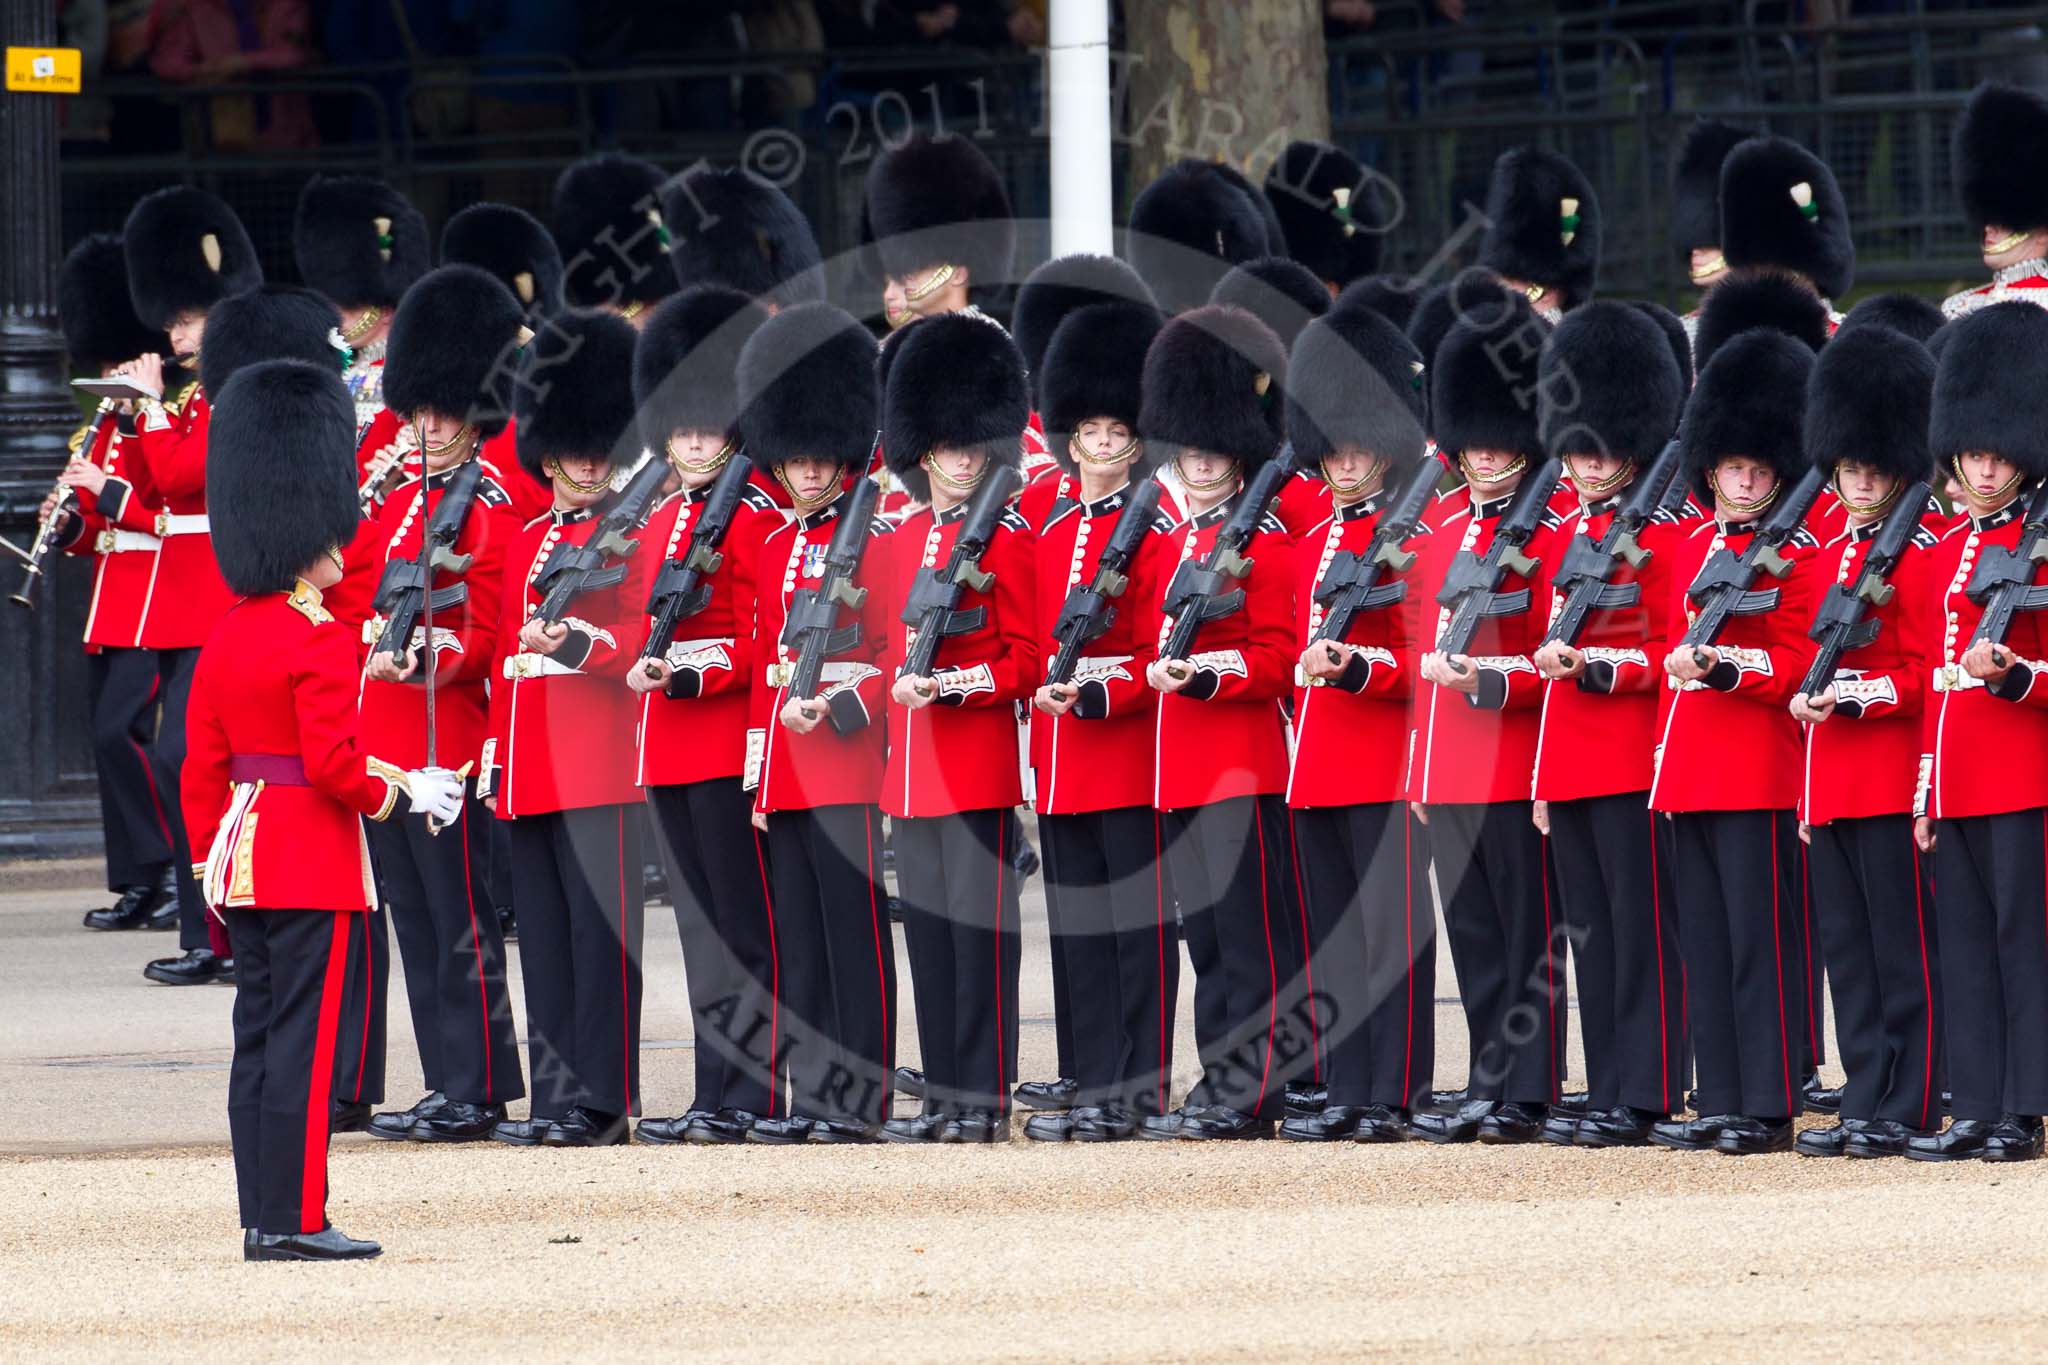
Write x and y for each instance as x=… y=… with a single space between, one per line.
x=221 y=42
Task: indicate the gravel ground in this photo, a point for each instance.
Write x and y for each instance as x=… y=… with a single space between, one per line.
x=118 y=1238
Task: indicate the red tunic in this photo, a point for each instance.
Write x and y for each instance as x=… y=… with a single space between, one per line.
x=1099 y=755
x=840 y=762
x=1351 y=732
x=465 y=637
x=561 y=731
x=1730 y=743
x=275 y=780
x=530 y=497
x=961 y=752
x=118 y=529
x=190 y=594
x=698 y=729
x=1302 y=505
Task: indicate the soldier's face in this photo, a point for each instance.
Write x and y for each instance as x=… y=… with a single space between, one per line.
x=1988 y=480
x=1203 y=467
x=1743 y=482
x=1591 y=470
x=187 y=330
x=963 y=467
x=1352 y=473
x=2003 y=246
x=810 y=479
x=1861 y=485
x=1706 y=266
x=689 y=451
x=1487 y=469
x=580 y=481
x=1105 y=441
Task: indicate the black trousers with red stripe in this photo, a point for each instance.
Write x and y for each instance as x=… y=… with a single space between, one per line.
x=1508 y=945
x=1739 y=924
x=167 y=756
x=1365 y=876
x=961 y=926
x=833 y=1037
x=452 y=952
x=1614 y=883
x=1228 y=865
x=1813 y=957
x=359 y=1054
x=1122 y=957
x=577 y=890
x=288 y=977
x=718 y=875
x=1990 y=900
x=134 y=812
x=1877 y=929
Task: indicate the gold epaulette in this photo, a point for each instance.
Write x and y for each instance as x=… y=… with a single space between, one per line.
x=183 y=396
x=305 y=600
x=77 y=441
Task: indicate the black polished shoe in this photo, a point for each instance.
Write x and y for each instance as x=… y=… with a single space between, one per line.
x=343 y=1117
x=1381 y=1123
x=1221 y=1124
x=1620 y=1126
x=582 y=1127
x=1305 y=1100
x=198 y=967
x=1334 y=1123
x=782 y=1132
x=669 y=1132
x=1873 y=1138
x=329 y=1244
x=1162 y=1127
x=1049 y=1127
x=908 y=1080
x=1689 y=1135
x=1964 y=1140
x=1048 y=1095
x=522 y=1132
x=916 y=1128
x=459 y=1121
x=163 y=912
x=1561 y=1129
x=1106 y=1123
x=1510 y=1123
x=1573 y=1102
x=396 y=1125
x=833 y=1132
x=1830 y=1140
x=2016 y=1138
x=722 y=1128
x=1461 y=1124
x=1746 y=1136
x=976 y=1128
x=1825 y=1098
x=131 y=911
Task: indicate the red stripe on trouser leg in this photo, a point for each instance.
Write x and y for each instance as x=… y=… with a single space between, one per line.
x=867 y=816
x=369 y=1007
x=1549 y=977
x=320 y=1086
x=476 y=944
x=1778 y=958
x=1926 y=988
x=1308 y=971
x=625 y=977
x=1408 y=932
x=1806 y=951
x=774 y=976
x=1272 y=968
x=1164 y=1006
x=1663 y=1019
x=1002 y=1080
x=149 y=780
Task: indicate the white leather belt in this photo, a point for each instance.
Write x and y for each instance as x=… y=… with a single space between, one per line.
x=778 y=675
x=123 y=542
x=1951 y=678
x=526 y=665
x=182 y=524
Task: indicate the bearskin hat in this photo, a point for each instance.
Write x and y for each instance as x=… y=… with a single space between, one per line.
x=1764 y=299
x=1392 y=297
x=1059 y=287
x=1475 y=293
x=1190 y=225
x=1781 y=209
x=1279 y=292
x=1276 y=236
x=1750 y=400
x=359 y=241
x=937 y=201
x=94 y=309
x=1608 y=381
x=269 y=322
x=1215 y=380
x=1989 y=386
x=1869 y=399
x=452 y=347
x=575 y=391
x=1696 y=183
x=1908 y=314
x=806 y=382
x=607 y=225
x=1355 y=379
x=280 y=472
x=1543 y=223
x=511 y=245
x=185 y=251
x=730 y=228
x=2001 y=158
x=1943 y=334
x=957 y=380
x=1674 y=335
x=1095 y=367
x=1482 y=392
x=684 y=361
x=1331 y=210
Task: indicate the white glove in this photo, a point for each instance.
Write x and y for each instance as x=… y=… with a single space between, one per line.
x=436 y=793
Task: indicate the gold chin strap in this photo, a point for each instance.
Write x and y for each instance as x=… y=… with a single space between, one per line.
x=1083 y=455
x=632 y=310
x=1593 y=488
x=930 y=285
x=687 y=466
x=1745 y=508
x=1209 y=486
x=2004 y=491
x=334 y=558
x=1868 y=509
x=1346 y=489
x=804 y=504
x=599 y=484
x=419 y=435
x=1474 y=476
x=2007 y=243
x=363 y=325
x=1712 y=265
x=939 y=476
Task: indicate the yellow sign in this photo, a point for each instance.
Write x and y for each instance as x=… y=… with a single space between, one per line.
x=44 y=70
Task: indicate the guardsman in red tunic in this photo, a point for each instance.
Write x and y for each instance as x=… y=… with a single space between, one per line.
x=1609 y=396
x=1729 y=758
x=1782 y=210
x=1476 y=719
x=1355 y=413
x=1866 y=425
x=1285 y=296
x=560 y=757
x=185 y=251
x=2002 y=179
x=1115 y=958
x=1332 y=212
x=453 y=327
x=113 y=520
x=1544 y=230
x=277 y=784
x=1983 y=806
x=1211 y=406
x=607 y=223
x=1696 y=207
x=808 y=416
x=694 y=695
x=954 y=401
